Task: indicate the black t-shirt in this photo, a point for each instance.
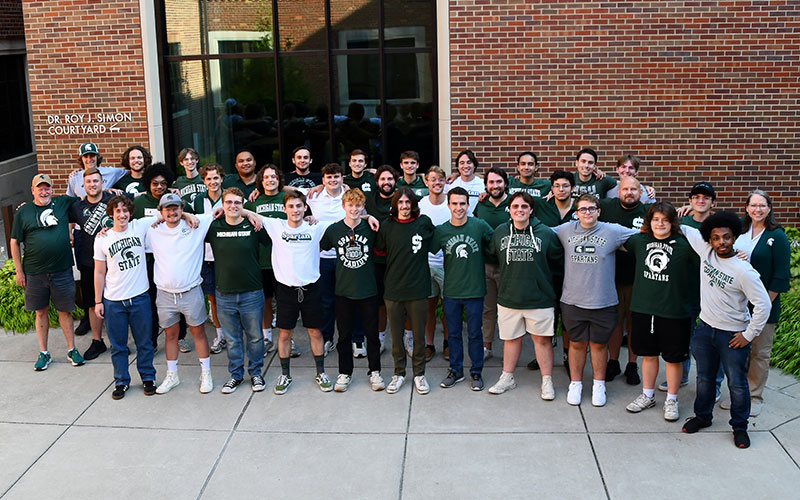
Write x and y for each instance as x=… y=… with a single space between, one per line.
x=92 y=218
x=307 y=181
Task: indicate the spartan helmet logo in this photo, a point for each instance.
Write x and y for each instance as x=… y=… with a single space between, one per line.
x=128 y=254
x=461 y=251
x=132 y=188
x=47 y=218
x=657 y=260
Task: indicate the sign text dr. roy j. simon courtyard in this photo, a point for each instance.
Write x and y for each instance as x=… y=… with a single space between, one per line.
x=86 y=123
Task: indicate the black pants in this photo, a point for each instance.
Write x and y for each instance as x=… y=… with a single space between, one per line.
x=345 y=312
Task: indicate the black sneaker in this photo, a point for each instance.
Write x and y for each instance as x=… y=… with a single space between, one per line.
x=119 y=392
x=632 y=374
x=694 y=424
x=231 y=385
x=612 y=370
x=533 y=365
x=741 y=439
x=477 y=382
x=149 y=387
x=84 y=326
x=451 y=379
x=97 y=348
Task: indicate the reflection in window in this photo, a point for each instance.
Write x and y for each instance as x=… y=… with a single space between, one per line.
x=15 y=128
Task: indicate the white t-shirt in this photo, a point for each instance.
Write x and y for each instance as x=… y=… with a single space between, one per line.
x=325 y=207
x=123 y=252
x=295 y=250
x=747 y=243
x=178 y=254
x=439 y=214
x=208 y=207
x=474 y=187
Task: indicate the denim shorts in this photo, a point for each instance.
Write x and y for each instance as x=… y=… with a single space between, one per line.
x=41 y=288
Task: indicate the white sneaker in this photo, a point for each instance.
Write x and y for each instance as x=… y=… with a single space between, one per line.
x=342 y=382
x=506 y=383
x=206 y=383
x=671 y=412
x=328 y=347
x=359 y=351
x=408 y=341
x=487 y=354
x=170 y=381
x=269 y=346
x=598 y=395
x=641 y=402
x=376 y=381
x=184 y=346
x=218 y=345
x=294 y=351
x=548 y=392
x=421 y=384
x=574 y=393
x=395 y=384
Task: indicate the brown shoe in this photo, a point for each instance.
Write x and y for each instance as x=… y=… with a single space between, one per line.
x=429 y=352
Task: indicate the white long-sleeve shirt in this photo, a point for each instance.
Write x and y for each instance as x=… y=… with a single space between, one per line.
x=726 y=285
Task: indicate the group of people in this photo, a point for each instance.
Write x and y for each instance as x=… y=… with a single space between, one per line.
x=378 y=250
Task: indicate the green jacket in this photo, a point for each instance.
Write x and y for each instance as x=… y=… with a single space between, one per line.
x=770 y=258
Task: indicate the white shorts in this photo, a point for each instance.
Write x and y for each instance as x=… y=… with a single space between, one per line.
x=189 y=303
x=514 y=323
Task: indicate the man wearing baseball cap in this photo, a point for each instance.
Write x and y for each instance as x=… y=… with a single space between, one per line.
x=89 y=156
x=46 y=271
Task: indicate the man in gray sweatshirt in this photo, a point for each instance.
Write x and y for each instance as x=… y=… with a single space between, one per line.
x=726 y=328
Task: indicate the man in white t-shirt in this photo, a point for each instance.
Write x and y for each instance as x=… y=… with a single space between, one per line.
x=434 y=206
x=467 y=164
x=121 y=297
x=178 y=253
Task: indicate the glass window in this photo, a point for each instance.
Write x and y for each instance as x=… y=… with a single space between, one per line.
x=357 y=107
x=15 y=128
x=305 y=109
x=410 y=16
x=350 y=21
x=410 y=118
x=302 y=25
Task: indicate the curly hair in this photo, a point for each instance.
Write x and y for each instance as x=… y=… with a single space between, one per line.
x=721 y=219
x=154 y=171
x=125 y=160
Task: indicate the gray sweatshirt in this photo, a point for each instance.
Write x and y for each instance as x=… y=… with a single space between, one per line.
x=726 y=285
x=590 y=262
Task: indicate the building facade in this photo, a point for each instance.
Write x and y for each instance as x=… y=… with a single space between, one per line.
x=698 y=90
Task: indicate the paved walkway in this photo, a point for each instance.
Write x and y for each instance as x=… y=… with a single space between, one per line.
x=64 y=437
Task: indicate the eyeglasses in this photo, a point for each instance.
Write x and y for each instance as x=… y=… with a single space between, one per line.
x=762 y=207
x=587 y=210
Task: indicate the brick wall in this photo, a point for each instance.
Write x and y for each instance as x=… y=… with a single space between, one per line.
x=84 y=57
x=11 y=26
x=699 y=90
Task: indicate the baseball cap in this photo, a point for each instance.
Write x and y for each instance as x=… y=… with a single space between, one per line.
x=703 y=188
x=89 y=148
x=169 y=199
x=41 y=179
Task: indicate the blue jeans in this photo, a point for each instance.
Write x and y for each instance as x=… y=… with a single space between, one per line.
x=453 y=312
x=119 y=315
x=327 y=283
x=242 y=313
x=711 y=348
x=687 y=365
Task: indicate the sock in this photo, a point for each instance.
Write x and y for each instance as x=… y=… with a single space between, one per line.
x=267 y=332
x=598 y=383
x=46 y=353
x=547 y=377
x=219 y=333
x=649 y=392
x=320 y=362
x=285 y=366
x=673 y=397
x=172 y=366
x=431 y=346
x=205 y=364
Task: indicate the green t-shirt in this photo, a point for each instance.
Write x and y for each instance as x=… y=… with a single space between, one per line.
x=538 y=188
x=598 y=187
x=130 y=185
x=549 y=215
x=611 y=210
x=188 y=188
x=418 y=186
x=366 y=183
x=355 y=268
x=406 y=245
x=688 y=220
x=233 y=180
x=663 y=275
x=526 y=258
x=146 y=205
x=267 y=206
x=694 y=285
x=45 y=233
x=463 y=248
x=238 y=271
x=493 y=215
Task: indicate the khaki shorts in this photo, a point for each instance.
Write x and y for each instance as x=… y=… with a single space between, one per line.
x=514 y=323
x=437 y=281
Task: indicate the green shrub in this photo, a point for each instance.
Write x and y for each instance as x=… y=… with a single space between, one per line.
x=13 y=315
x=786 y=347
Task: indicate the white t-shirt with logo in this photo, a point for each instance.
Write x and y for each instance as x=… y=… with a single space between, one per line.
x=474 y=188
x=178 y=253
x=295 y=250
x=439 y=214
x=123 y=252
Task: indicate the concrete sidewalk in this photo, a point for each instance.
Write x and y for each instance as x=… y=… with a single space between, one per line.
x=64 y=437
